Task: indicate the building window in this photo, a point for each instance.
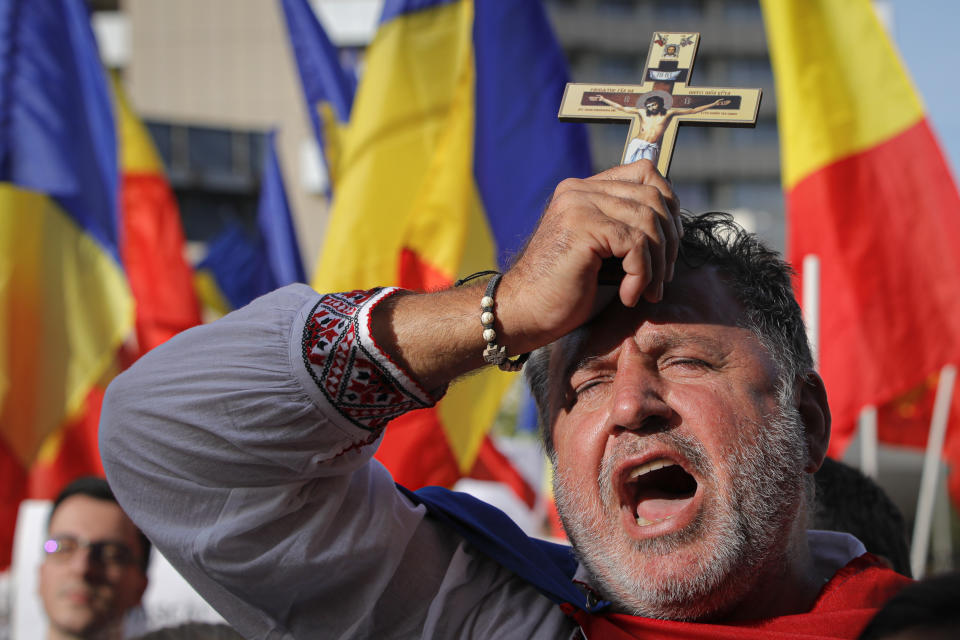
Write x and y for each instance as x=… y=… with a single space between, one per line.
x=765 y=134
x=693 y=196
x=211 y=151
x=741 y=10
x=616 y=7
x=760 y=195
x=692 y=135
x=749 y=72
x=616 y=69
x=214 y=173
x=680 y=10
x=162 y=140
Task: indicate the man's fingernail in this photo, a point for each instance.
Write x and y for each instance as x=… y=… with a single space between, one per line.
x=679 y=221
x=670 y=274
x=660 y=292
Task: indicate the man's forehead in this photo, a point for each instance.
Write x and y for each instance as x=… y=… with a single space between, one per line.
x=698 y=308
x=598 y=348
x=91 y=517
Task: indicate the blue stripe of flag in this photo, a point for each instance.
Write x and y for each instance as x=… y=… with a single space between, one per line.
x=247 y=265
x=521 y=150
x=395 y=8
x=57 y=132
x=276 y=223
x=321 y=75
x=239 y=266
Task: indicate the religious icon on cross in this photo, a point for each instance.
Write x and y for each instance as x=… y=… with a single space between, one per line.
x=657 y=106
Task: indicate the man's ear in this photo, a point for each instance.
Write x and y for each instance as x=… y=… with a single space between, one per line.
x=140 y=587
x=811 y=399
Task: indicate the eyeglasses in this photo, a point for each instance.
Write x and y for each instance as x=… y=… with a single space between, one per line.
x=108 y=552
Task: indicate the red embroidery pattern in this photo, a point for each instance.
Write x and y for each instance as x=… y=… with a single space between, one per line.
x=346 y=372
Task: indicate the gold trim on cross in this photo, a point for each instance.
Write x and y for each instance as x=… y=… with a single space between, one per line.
x=656 y=107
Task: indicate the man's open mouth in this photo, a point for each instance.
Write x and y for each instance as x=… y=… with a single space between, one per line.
x=658 y=490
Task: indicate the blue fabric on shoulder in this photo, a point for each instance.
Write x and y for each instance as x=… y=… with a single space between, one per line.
x=546 y=565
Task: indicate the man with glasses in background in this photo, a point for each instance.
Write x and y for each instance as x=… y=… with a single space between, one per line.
x=95 y=565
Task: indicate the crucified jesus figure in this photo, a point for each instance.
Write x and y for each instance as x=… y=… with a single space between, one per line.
x=652 y=122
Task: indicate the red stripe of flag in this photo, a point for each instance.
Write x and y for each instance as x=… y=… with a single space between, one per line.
x=887 y=239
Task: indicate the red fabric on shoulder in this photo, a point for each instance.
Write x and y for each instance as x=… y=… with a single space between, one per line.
x=844 y=607
x=864 y=581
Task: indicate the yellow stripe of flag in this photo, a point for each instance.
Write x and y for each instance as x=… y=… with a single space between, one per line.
x=390 y=148
x=406 y=182
x=137 y=153
x=838 y=93
x=66 y=309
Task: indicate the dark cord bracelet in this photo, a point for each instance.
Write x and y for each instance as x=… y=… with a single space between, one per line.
x=493 y=354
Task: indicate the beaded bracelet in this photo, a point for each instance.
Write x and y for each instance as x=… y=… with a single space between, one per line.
x=493 y=354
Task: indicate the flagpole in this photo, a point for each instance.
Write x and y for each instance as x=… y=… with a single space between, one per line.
x=931 y=463
x=941 y=536
x=811 y=304
x=867 y=422
x=867 y=429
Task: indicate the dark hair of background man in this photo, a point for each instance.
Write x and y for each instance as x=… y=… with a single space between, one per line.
x=849 y=501
x=98 y=489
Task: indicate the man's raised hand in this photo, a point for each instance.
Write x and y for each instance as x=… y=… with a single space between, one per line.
x=629 y=213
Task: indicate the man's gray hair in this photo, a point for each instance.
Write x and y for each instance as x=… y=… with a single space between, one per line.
x=758 y=278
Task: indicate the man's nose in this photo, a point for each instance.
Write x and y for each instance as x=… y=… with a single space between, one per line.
x=638 y=393
x=86 y=562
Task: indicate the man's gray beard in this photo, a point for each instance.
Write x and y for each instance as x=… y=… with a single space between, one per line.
x=751 y=524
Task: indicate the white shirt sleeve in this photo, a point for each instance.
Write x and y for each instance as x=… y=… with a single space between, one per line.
x=243 y=449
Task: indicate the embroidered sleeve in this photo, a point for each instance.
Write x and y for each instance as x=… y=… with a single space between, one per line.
x=358 y=379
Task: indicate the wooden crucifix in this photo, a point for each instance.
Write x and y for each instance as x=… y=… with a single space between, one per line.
x=657 y=106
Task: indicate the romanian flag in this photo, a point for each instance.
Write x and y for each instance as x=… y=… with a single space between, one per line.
x=152 y=239
x=869 y=193
x=65 y=307
x=327 y=87
x=241 y=265
x=452 y=151
x=151 y=246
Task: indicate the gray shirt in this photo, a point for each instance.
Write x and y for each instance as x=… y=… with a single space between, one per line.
x=239 y=449
x=223 y=447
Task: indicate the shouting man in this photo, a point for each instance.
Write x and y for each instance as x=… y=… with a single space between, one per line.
x=680 y=410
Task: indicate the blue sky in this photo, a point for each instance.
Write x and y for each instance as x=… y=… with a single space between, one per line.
x=926 y=34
